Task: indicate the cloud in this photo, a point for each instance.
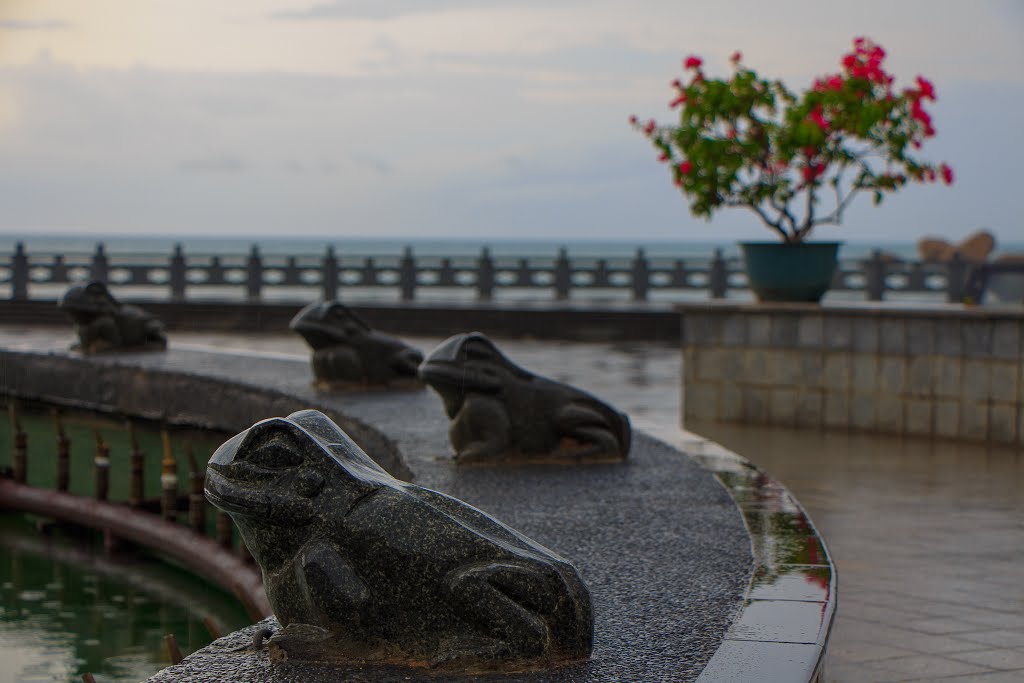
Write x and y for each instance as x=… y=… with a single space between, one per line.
x=381 y=10
x=215 y=164
x=33 y=25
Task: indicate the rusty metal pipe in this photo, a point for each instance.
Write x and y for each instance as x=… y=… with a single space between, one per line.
x=20 y=445
x=196 y=498
x=136 y=489
x=63 y=454
x=102 y=463
x=202 y=555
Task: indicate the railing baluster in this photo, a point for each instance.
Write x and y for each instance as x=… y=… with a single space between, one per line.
x=168 y=480
x=446 y=276
x=956 y=274
x=485 y=276
x=177 y=274
x=563 y=275
x=100 y=268
x=641 y=276
x=407 y=275
x=874 y=276
x=254 y=275
x=59 y=269
x=196 y=499
x=63 y=453
x=718 y=276
x=20 y=445
x=19 y=273
x=102 y=464
x=369 y=273
x=679 y=274
x=136 y=485
x=329 y=275
x=523 y=275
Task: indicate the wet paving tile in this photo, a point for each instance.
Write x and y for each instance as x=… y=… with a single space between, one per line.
x=757 y=661
x=1002 y=658
x=783 y=621
x=791 y=582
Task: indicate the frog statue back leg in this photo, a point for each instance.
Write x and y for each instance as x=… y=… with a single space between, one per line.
x=512 y=602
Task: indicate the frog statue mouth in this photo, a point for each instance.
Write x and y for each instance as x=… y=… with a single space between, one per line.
x=259 y=475
x=234 y=496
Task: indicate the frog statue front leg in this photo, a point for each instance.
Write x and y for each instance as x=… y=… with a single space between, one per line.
x=480 y=430
x=102 y=334
x=319 y=583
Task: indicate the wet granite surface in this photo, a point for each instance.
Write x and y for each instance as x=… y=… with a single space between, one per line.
x=659 y=542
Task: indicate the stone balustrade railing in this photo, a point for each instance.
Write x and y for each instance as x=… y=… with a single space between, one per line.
x=249 y=276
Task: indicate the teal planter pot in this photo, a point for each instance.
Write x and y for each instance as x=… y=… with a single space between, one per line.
x=790 y=272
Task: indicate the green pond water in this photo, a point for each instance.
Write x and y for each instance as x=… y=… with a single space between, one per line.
x=66 y=607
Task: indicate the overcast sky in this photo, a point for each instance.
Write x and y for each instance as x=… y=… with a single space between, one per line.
x=455 y=118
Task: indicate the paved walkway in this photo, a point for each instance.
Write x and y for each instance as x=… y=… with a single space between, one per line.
x=928 y=537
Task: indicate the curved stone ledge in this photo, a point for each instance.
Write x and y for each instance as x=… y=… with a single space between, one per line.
x=665 y=553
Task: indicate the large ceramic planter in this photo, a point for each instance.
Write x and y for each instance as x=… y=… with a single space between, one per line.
x=790 y=272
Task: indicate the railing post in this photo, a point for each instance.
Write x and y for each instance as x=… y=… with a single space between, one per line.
x=407 y=275
x=100 y=265
x=102 y=463
x=254 y=278
x=485 y=276
x=63 y=454
x=19 y=273
x=641 y=276
x=718 y=276
x=20 y=446
x=329 y=275
x=874 y=276
x=59 y=269
x=136 y=487
x=956 y=270
x=177 y=279
x=168 y=481
x=196 y=499
x=369 y=272
x=563 y=275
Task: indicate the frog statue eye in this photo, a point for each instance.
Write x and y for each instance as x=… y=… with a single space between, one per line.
x=275 y=455
x=476 y=350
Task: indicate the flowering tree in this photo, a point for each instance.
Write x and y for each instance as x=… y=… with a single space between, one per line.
x=750 y=142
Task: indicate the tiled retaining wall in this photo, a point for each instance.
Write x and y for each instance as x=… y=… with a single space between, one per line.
x=950 y=371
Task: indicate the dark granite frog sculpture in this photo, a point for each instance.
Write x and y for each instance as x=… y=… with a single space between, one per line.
x=348 y=352
x=500 y=411
x=361 y=567
x=105 y=324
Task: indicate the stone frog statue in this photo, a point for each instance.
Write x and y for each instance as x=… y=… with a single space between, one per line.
x=359 y=566
x=347 y=351
x=500 y=411
x=105 y=324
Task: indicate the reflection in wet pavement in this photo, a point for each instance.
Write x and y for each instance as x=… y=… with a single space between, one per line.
x=927 y=540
